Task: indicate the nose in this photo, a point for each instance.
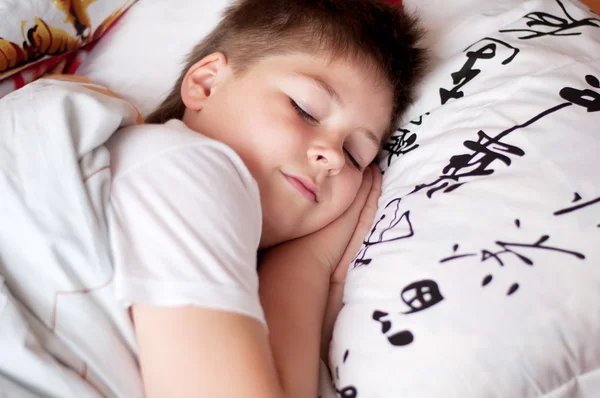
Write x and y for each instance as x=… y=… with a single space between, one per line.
x=327 y=156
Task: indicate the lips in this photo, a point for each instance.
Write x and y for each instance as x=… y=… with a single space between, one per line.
x=304 y=186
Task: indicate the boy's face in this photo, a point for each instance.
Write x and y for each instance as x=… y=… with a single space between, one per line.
x=305 y=127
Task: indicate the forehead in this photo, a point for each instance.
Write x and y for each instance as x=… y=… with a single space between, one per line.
x=355 y=84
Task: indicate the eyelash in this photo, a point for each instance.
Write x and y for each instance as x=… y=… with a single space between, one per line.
x=306 y=116
x=303 y=114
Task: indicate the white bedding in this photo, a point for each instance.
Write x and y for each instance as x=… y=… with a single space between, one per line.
x=61 y=332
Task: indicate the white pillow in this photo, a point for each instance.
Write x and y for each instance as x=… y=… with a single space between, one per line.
x=141 y=57
x=481 y=277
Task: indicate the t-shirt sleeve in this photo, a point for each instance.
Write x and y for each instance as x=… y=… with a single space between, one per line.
x=185 y=228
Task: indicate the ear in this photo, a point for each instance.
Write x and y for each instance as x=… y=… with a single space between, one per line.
x=202 y=78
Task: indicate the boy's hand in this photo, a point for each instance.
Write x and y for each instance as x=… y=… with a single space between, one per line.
x=365 y=205
x=360 y=216
x=337 y=243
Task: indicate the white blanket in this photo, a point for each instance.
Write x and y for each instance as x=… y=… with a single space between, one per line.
x=61 y=332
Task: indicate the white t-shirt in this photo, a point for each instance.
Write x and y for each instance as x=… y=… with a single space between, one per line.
x=185 y=221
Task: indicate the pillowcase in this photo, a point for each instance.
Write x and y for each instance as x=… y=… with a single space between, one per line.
x=35 y=35
x=481 y=276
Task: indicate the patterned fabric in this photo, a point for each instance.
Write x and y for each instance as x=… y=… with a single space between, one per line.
x=36 y=35
x=480 y=276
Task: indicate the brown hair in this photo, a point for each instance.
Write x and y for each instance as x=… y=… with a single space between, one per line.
x=369 y=30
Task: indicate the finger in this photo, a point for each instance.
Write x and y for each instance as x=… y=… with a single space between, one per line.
x=342 y=228
x=370 y=207
x=365 y=221
x=362 y=194
x=350 y=216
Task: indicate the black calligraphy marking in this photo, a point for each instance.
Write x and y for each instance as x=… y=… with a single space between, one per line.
x=506 y=61
x=349 y=391
x=578 y=207
x=402 y=141
x=400 y=144
x=488 y=278
x=454 y=250
x=399 y=339
x=512 y=248
x=419 y=121
x=558 y=26
x=484 y=152
x=385 y=325
x=418 y=296
x=468 y=72
x=589 y=99
x=512 y=289
x=391 y=226
x=421 y=295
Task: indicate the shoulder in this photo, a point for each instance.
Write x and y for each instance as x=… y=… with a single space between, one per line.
x=169 y=166
x=174 y=145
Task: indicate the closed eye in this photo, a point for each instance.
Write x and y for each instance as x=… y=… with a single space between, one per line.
x=309 y=118
x=302 y=113
x=352 y=159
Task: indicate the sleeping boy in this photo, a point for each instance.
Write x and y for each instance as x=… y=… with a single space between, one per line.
x=265 y=138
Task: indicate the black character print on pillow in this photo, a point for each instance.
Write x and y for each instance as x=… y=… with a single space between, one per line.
x=489 y=150
x=397 y=339
x=402 y=141
x=393 y=225
x=418 y=296
x=542 y=24
x=484 y=49
x=344 y=392
x=475 y=163
x=515 y=251
x=589 y=99
x=578 y=205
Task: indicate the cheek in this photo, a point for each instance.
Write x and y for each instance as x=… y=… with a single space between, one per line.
x=258 y=135
x=345 y=190
x=276 y=136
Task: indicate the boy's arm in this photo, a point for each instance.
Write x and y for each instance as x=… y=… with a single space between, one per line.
x=338 y=278
x=193 y=351
x=293 y=290
x=197 y=352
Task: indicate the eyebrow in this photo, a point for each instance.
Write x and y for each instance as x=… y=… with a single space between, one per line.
x=373 y=138
x=323 y=86
x=336 y=97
